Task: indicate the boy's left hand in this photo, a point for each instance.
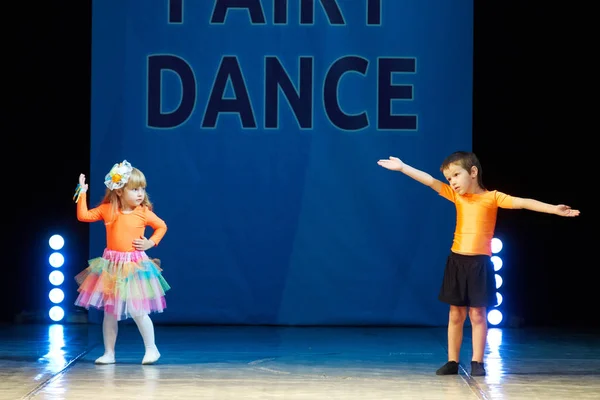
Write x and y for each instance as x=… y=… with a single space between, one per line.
x=566 y=211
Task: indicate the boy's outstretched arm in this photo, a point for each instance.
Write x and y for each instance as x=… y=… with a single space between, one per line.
x=535 y=205
x=395 y=164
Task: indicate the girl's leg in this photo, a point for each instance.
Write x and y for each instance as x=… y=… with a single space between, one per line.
x=144 y=324
x=110 y=328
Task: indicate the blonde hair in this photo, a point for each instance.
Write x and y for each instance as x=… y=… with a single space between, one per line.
x=136 y=180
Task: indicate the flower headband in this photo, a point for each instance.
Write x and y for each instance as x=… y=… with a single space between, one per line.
x=118 y=175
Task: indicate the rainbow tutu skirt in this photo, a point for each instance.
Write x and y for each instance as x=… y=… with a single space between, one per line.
x=125 y=284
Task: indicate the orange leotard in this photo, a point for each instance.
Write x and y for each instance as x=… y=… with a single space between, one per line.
x=475 y=219
x=126 y=227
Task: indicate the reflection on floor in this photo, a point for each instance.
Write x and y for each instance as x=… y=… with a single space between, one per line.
x=57 y=362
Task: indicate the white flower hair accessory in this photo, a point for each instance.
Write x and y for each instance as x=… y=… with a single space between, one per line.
x=118 y=176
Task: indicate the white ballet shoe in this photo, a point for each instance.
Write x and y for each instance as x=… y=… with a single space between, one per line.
x=106 y=359
x=152 y=355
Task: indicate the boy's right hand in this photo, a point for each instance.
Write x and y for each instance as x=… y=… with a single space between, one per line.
x=393 y=163
x=84 y=186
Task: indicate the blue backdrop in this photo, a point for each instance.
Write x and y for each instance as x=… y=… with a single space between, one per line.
x=258 y=125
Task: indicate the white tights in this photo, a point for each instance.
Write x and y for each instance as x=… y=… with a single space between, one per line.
x=110 y=328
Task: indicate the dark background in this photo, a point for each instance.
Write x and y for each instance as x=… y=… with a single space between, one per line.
x=532 y=130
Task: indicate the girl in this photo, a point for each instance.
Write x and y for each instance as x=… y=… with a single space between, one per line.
x=469 y=275
x=124 y=282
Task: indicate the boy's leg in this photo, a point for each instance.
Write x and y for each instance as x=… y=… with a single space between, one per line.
x=456 y=321
x=453 y=292
x=477 y=315
x=482 y=295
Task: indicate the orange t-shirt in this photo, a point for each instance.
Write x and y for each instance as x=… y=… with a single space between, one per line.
x=475 y=219
x=126 y=227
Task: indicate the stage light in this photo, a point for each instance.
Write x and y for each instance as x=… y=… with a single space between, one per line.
x=497 y=261
x=496 y=245
x=498 y=281
x=494 y=317
x=56 y=278
x=498 y=299
x=56 y=259
x=56 y=242
x=56 y=313
x=56 y=295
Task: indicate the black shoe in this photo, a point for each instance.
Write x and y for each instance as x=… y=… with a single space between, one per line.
x=450 y=368
x=477 y=369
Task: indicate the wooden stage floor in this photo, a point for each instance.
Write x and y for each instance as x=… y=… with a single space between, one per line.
x=237 y=362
